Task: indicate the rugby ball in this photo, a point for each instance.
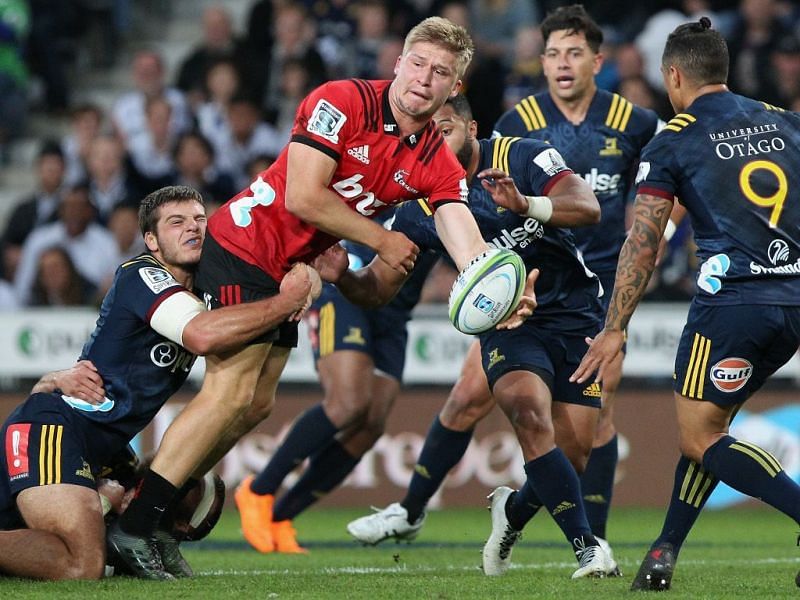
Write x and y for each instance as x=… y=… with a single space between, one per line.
x=487 y=290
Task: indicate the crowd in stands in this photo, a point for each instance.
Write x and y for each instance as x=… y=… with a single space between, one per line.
x=228 y=110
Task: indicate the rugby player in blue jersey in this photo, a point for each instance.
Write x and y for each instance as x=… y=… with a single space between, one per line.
x=732 y=162
x=360 y=355
x=600 y=135
x=524 y=369
x=147 y=335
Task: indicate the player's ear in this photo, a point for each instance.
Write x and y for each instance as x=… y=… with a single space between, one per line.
x=151 y=241
x=599 y=58
x=456 y=88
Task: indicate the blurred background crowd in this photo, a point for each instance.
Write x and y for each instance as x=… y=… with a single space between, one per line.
x=103 y=101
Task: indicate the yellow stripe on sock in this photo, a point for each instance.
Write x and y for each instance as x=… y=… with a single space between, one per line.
x=767 y=456
x=686 y=481
x=756 y=457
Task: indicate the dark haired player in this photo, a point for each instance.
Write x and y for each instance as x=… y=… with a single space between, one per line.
x=524 y=369
x=600 y=135
x=147 y=335
x=732 y=162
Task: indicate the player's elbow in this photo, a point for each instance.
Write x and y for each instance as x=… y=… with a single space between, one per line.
x=593 y=212
x=299 y=204
x=198 y=339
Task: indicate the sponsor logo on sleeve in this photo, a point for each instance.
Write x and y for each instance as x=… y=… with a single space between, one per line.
x=550 y=161
x=326 y=121
x=730 y=374
x=17 y=449
x=157 y=279
x=643 y=172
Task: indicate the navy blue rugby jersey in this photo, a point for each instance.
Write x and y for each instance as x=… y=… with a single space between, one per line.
x=141 y=369
x=566 y=291
x=734 y=163
x=603 y=149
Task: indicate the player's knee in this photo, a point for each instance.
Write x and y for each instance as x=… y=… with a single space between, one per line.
x=85 y=564
x=347 y=410
x=463 y=408
x=374 y=427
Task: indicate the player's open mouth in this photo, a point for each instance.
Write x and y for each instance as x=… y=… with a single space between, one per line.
x=193 y=241
x=564 y=81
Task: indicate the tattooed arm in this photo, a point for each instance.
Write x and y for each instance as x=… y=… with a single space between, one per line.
x=637 y=260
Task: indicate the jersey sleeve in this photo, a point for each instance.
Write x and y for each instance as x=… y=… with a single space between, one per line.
x=414 y=219
x=143 y=287
x=328 y=116
x=510 y=124
x=657 y=174
x=542 y=164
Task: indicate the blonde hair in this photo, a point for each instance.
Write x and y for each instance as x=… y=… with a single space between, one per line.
x=441 y=32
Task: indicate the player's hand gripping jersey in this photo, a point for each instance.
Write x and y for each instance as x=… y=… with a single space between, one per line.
x=732 y=162
x=351 y=122
x=603 y=149
x=566 y=291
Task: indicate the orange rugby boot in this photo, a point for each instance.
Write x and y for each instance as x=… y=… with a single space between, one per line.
x=255 y=513
x=284 y=537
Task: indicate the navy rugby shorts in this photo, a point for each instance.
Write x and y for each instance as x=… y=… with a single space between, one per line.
x=224 y=279
x=727 y=352
x=551 y=354
x=337 y=324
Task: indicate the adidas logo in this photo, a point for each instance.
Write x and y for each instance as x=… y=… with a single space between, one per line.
x=85 y=471
x=594 y=390
x=565 y=505
x=360 y=153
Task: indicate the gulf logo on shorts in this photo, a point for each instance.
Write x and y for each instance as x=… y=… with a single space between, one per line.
x=17 y=449
x=730 y=374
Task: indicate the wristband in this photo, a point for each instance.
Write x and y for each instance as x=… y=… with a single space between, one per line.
x=669 y=230
x=540 y=208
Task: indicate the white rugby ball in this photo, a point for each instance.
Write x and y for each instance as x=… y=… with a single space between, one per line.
x=487 y=290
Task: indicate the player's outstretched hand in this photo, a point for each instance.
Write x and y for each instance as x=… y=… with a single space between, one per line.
x=527 y=304
x=332 y=263
x=80 y=381
x=602 y=351
x=399 y=252
x=503 y=190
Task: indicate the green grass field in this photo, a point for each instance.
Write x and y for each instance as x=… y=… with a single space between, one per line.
x=736 y=553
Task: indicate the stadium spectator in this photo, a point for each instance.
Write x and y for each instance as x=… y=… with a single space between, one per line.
x=89 y=410
x=46 y=51
x=495 y=23
x=15 y=23
x=124 y=226
x=58 y=282
x=293 y=39
x=360 y=52
x=335 y=24
x=194 y=162
x=91 y=246
x=128 y=113
x=219 y=43
x=387 y=57
x=295 y=85
x=110 y=182
x=525 y=76
x=745 y=315
x=248 y=137
x=151 y=150
x=222 y=85
x=86 y=123
x=38 y=209
x=786 y=69
x=309 y=199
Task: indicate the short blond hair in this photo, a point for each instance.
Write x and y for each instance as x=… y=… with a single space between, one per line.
x=442 y=32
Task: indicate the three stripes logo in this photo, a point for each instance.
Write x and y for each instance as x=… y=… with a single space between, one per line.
x=530 y=113
x=619 y=113
x=679 y=121
x=593 y=390
x=695 y=485
x=767 y=461
x=694 y=380
x=360 y=153
x=50 y=454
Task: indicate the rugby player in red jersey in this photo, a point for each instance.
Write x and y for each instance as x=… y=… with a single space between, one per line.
x=356 y=148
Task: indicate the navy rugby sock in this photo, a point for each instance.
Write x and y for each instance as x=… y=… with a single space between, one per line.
x=310 y=433
x=148 y=506
x=693 y=486
x=752 y=470
x=597 y=485
x=556 y=483
x=521 y=506
x=442 y=450
x=326 y=471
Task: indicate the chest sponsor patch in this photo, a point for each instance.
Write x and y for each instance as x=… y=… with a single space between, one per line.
x=326 y=121
x=157 y=279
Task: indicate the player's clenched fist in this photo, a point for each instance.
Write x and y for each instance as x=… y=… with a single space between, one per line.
x=398 y=251
x=301 y=286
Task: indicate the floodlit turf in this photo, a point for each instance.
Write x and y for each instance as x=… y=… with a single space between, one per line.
x=737 y=553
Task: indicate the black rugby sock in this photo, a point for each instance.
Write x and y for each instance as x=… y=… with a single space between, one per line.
x=325 y=472
x=168 y=520
x=442 y=450
x=148 y=506
x=693 y=486
x=312 y=432
x=597 y=485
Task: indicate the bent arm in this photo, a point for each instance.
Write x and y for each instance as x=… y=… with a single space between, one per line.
x=574 y=203
x=372 y=286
